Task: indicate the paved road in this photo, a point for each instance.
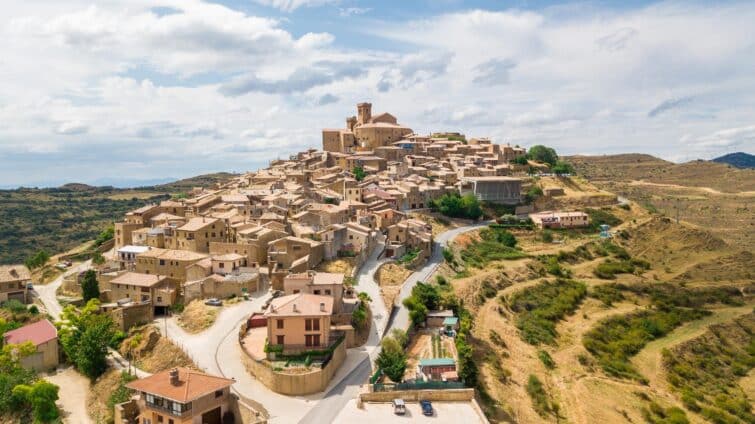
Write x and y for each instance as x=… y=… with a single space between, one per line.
x=337 y=398
x=47 y=293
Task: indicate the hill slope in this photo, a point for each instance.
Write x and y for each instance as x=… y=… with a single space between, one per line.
x=738 y=159
x=57 y=219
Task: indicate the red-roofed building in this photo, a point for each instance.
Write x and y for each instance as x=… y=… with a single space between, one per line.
x=44 y=336
x=179 y=396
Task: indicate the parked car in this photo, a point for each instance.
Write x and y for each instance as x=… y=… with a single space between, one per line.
x=213 y=302
x=399 y=407
x=427 y=408
x=29 y=286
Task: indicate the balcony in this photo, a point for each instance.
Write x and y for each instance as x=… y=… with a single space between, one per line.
x=182 y=410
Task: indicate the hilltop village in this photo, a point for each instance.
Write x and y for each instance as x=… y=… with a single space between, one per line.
x=293 y=248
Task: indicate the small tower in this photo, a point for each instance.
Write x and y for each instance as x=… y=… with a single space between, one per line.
x=351 y=122
x=364 y=113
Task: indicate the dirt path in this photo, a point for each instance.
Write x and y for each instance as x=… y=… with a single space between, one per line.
x=694 y=188
x=649 y=361
x=72 y=395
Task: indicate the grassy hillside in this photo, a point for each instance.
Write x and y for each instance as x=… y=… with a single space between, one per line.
x=629 y=167
x=57 y=219
x=546 y=352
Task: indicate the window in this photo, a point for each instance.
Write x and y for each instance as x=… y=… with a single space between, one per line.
x=317 y=291
x=222 y=265
x=170 y=420
x=279 y=324
x=296 y=291
x=316 y=340
x=327 y=292
x=159 y=418
x=218 y=393
x=308 y=340
x=308 y=325
x=279 y=340
x=162 y=261
x=316 y=325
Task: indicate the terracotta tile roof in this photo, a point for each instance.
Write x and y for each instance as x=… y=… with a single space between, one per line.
x=37 y=333
x=196 y=224
x=301 y=304
x=138 y=279
x=14 y=273
x=191 y=385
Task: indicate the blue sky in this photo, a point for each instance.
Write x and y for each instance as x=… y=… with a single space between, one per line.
x=123 y=91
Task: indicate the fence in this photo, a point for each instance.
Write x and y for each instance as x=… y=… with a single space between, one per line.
x=419 y=385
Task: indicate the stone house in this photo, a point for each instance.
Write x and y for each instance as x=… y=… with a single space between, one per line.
x=13 y=282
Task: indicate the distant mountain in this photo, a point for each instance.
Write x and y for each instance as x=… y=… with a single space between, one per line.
x=738 y=159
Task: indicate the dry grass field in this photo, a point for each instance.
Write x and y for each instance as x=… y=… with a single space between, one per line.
x=689 y=256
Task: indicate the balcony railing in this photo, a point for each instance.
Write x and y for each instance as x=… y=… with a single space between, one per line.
x=165 y=408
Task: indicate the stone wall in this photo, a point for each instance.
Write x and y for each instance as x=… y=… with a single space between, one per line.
x=448 y=395
x=296 y=384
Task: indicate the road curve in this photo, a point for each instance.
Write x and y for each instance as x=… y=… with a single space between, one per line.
x=328 y=408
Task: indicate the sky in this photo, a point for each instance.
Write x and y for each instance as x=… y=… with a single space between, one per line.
x=137 y=91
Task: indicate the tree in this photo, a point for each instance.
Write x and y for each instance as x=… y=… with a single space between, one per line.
x=521 y=160
x=359 y=173
x=13 y=374
x=37 y=260
x=392 y=359
x=427 y=295
x=86 y=336
x=92 y=347
x=97 y=258
x=561 y=168
x=455 y=206
x=90 y=288
x=542 y=154
x=41 y=396
x=105 y=236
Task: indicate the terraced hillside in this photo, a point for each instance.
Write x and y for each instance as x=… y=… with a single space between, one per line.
x=578 y=330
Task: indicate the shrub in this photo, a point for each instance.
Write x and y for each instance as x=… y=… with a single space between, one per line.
x=542 y=154
x=539 y=307
x=41 y=396
x=359 y=173
x=456 y=206
x=599 y=217
x=37 y=260
x=546 y=359
x=615 y=340
x=539 y=397
x=607 y=293
x=392 y=359
x=547 y=236
x=494 y=244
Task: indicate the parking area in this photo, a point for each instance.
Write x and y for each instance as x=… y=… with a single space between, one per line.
x=381 y=413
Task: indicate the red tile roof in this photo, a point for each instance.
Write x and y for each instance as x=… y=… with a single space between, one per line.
x=37 y=333
x=191 y=385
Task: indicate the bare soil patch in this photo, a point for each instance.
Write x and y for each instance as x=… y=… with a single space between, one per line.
x=197 y=316
x=153 y=353
x=391 y=278
x=338 y=266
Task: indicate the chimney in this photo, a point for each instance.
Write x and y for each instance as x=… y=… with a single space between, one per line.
x=294 y=306
x=174 y=376
x=322 y=306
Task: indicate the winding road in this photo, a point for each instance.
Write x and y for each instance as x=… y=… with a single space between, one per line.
x=336 y=398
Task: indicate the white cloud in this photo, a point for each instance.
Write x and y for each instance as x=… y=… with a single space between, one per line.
x=71 y=128
x=291 y=5
x=184 y=86
x=351 y=11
